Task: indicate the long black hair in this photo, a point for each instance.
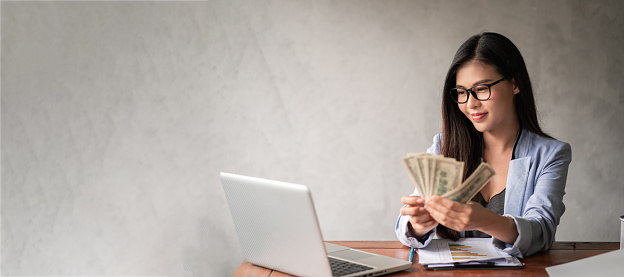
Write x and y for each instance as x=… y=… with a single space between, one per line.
x=460 y=139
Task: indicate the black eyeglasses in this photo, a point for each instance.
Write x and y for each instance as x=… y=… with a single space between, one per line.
x=480 y=92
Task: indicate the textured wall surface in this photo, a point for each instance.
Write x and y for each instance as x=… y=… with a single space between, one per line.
x=118 y=116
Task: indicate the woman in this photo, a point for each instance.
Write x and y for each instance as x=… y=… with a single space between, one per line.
x=489 y=115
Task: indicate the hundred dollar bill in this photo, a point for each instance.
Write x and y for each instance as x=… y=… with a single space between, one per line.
x=426 y=163
x=423 y=166
x=431 y=163
x=460 y=175
x=412 y=169
x=469 y=188
x=447 y=175
x=434 y=162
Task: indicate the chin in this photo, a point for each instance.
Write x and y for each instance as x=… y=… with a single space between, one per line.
x=480 y=127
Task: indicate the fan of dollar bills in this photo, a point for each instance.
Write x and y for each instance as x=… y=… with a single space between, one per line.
x=437 y=175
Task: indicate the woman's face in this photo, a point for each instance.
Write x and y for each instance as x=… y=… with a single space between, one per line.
x=496 y=113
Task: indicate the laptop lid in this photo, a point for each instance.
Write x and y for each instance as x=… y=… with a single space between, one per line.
x=276 y=225
x=277 y=228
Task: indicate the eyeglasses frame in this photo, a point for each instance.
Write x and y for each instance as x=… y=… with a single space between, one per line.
x=474 y=94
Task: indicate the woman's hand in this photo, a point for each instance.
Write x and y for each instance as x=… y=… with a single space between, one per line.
x=471 y=216
x=420 y=220
x=458 y=216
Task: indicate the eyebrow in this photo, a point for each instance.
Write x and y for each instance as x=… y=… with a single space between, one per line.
x=476 y=83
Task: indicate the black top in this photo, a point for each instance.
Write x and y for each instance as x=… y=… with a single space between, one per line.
x=496 y=204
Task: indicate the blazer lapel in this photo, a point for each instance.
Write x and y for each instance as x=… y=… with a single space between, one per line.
x=516 y=185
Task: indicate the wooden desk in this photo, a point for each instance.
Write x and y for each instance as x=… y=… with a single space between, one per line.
x=559 y=253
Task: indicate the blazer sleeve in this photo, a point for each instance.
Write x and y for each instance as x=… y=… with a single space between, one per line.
x=401 y=229
x=542 y=211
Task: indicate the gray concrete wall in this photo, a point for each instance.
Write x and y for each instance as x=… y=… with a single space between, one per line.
x=118 y=116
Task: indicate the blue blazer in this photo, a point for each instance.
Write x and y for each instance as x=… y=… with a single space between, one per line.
x=536 y=183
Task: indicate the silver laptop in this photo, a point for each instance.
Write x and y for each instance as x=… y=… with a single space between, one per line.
x=278 y=229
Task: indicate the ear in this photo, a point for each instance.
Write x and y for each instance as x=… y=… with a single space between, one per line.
x=515 y=87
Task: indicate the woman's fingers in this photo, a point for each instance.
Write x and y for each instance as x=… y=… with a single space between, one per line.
x=429 y=224
x=440 y=206
x=412 y=201
x=413 y=211
x=422 y=224
x=449 y=213
x=420 y=219
x=418 y=215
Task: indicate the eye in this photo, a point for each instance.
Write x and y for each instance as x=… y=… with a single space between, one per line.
x=481 y=89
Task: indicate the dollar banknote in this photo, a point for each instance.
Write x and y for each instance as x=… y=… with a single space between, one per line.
x=413 y=169
x=447 y=175
x=423 y=167
x=473 y=184
x=437 y=175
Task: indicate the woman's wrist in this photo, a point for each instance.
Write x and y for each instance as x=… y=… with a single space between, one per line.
x=411 y=232
x=416 y=234
x=501 y=227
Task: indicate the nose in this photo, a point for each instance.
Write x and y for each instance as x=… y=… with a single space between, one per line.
x=473 y=102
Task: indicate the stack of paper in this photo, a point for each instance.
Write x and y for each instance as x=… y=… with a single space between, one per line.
x=465 y=253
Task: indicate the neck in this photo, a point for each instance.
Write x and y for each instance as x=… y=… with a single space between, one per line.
x=501 y=139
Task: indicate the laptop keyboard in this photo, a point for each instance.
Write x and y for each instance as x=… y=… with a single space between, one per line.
x=341 y=268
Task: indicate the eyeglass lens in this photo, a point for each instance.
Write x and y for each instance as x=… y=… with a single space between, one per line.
x=481 y=92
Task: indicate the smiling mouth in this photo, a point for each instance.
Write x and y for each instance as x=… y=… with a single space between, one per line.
x=478 y=116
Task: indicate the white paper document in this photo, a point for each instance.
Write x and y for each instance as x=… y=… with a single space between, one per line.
x=445 y=251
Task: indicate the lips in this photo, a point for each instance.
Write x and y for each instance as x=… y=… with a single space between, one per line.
x=477 y=116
